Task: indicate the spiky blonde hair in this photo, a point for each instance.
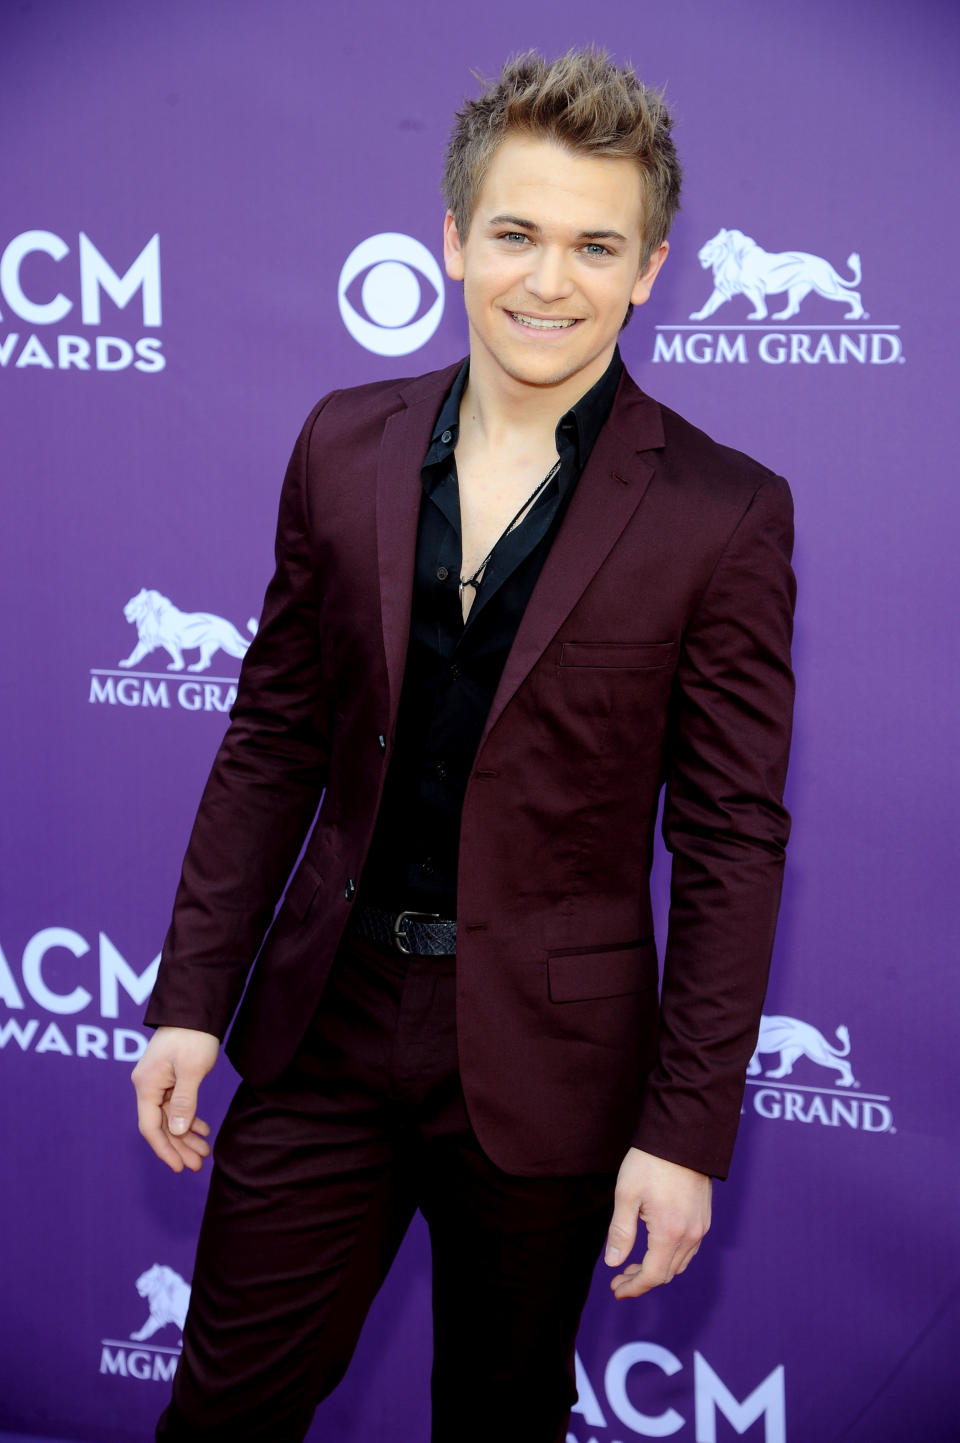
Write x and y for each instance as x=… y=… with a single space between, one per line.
x=581 y=101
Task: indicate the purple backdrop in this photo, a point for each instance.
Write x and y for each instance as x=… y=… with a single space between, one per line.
x=151 y=390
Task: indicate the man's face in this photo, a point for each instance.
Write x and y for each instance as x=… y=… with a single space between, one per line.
x=551 y=262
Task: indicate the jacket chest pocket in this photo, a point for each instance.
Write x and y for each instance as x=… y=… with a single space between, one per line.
x=615 y=655
x=595 y=691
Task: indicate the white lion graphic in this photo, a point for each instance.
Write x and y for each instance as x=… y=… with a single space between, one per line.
x=168 y=1296
x=160 y=623
x=741 y=266
x=794 y=1039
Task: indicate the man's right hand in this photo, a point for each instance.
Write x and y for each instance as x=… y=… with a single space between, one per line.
x=167 y=1079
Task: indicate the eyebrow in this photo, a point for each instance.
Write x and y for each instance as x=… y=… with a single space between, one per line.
x=585 y=235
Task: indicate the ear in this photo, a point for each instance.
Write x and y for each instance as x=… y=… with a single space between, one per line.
x=452 y=248
x=643 y=285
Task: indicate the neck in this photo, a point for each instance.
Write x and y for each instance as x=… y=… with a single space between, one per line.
x=503 y=409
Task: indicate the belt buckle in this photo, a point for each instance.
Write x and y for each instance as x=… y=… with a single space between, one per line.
x=398 y=921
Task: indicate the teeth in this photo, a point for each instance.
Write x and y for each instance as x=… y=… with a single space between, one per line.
x=539 y=325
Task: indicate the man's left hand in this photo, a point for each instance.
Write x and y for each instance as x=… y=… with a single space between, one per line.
x=673 y=1202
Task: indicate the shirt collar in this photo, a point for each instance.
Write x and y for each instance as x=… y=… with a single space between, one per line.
x=447 y=428
x=581 y=425
x=585 y=419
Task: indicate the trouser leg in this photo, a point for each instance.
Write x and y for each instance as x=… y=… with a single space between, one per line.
x=308 y=1203
x=513 y=1259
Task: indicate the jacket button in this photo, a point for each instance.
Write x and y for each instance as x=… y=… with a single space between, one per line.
x=349 y=889
x=381 y=741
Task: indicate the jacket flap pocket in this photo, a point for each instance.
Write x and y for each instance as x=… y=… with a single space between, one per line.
x=585 y=975
x=616 y=653
x=301 y=891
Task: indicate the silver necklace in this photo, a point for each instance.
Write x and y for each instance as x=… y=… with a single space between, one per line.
x=477 y=577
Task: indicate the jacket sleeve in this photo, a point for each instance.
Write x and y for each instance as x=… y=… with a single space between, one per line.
x=726 y=827
x=263 y=791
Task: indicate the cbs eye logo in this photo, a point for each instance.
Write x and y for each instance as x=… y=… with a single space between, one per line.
x=391 y=294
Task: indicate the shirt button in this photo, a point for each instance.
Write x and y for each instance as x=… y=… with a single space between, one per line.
x=447 y=437
x=442 y=573
x=428 y=866
x=381 y=741
x=454 y=671
x=349 y=889
x=440 y=768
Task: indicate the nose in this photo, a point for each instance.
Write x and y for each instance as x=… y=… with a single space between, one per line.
x=548 y=278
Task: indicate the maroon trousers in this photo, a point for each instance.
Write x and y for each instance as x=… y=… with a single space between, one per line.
x=315 y=1182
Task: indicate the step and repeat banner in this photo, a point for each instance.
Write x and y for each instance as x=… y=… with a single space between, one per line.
x=214 y=212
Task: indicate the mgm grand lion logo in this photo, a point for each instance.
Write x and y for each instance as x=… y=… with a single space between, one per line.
x=166 y=1295
x=833 y=1100
x=793 y=1039
x=161 y=624
x=741 y=267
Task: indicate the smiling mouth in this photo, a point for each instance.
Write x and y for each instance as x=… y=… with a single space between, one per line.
x=536 y=323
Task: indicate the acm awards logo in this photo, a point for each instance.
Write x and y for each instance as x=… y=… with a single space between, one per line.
x=163 y=628
x=62 y=976
x=626 y=1396
x=743 y=268
x=785 y=1041
x=384 y=276
x=167 y=1296
x=34 y=266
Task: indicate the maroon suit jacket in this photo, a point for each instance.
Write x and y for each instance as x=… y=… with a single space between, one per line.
x=654 y=649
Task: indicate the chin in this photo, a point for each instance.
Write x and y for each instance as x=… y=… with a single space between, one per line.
x=546 y=371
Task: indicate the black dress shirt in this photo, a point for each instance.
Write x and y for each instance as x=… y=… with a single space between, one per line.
x=453 y=667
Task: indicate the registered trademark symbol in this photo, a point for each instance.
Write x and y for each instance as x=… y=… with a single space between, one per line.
x=891 y=1130
x=903 y=360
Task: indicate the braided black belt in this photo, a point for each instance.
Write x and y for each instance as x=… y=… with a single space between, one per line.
x=421 y=934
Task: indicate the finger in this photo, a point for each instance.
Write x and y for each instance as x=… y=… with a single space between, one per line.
x=181 y=1108
x=190 y=1149
x=150 y=1119
x=195 y=1142
x=199 y=1130
x=682 y=1267
x=657 y=1266
x=189 y=1157
x=646 y=1272
x=151 y=1123
x=622 y=1233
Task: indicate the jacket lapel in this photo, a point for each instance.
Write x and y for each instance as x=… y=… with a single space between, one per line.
x=406 y=437
x=608 y=493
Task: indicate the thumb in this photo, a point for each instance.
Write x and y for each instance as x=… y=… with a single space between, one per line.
x=622 y=1233
x=182 y=1107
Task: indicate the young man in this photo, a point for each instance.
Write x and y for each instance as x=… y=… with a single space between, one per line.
x=512 y=599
